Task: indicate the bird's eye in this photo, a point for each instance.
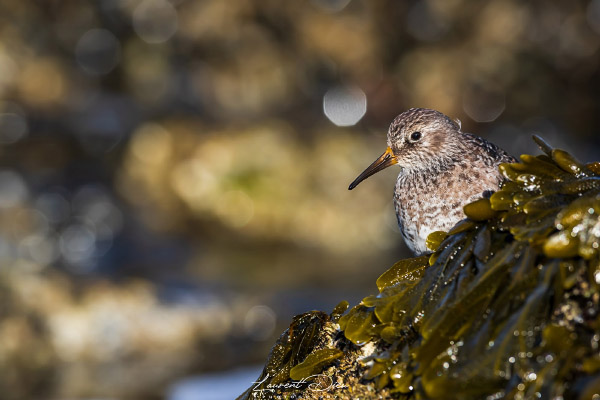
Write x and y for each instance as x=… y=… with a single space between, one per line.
x=415 y=136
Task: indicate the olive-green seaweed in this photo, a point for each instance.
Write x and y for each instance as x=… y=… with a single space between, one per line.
x=505 y=306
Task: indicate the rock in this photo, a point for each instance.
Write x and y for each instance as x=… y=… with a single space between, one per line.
x=505 y=307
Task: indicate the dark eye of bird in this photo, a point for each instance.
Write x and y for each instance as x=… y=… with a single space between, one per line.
x=415 y=136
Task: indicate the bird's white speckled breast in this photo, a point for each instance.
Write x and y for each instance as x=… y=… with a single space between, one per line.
x=426 y=203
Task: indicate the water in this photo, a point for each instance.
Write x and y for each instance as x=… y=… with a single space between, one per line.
x=225 y=385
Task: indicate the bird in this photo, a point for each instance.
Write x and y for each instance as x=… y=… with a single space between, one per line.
x=442 y=170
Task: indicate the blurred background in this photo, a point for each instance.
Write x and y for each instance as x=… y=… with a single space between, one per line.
x=173 y=174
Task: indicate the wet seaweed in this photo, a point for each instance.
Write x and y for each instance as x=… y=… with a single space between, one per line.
x=493 y=299
x=506 y=305
x=300 y=353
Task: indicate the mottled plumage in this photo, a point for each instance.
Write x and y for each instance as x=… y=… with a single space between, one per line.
x=442 y=169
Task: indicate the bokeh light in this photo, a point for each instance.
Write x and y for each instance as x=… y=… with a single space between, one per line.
x=8 y=71
x=593 y=15
x=331 y=6
x=54 y=206
x=77 y=244
x=482 y=105
x=13 y=126
x=259 y=322
x=425 y=22
x=155 y=21
x=41 y=249
x=345 y=105
x=42 y=82
x=13 y=190
x=98 y=52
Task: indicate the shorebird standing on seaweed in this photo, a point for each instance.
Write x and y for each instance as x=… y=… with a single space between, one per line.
x=443 y=169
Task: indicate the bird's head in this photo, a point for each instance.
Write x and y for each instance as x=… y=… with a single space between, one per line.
x=417 y=139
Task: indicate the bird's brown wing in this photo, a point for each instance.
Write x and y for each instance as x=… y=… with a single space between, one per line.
x=496 y=154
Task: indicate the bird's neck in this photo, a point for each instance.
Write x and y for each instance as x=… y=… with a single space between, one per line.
x=432 y=168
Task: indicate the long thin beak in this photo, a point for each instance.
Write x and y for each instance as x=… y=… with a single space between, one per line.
x=382 y=162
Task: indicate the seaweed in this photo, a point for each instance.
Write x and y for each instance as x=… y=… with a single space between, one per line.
x=506 y=305
x=300 y=353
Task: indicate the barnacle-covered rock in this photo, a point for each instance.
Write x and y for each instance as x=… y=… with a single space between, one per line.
x=506 y=306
